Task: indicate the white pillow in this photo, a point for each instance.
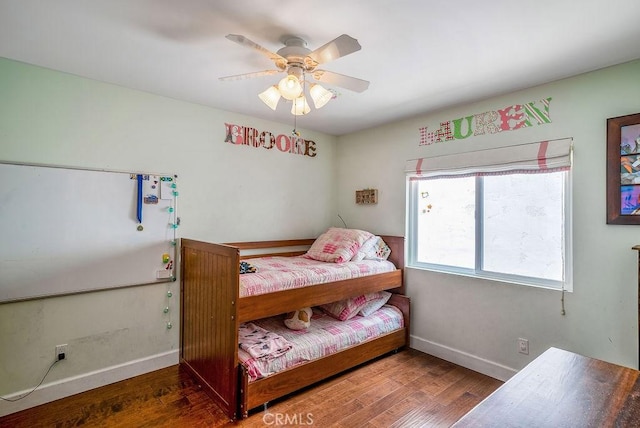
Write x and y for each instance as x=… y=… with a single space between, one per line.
x=374 y=302
x=365 y=249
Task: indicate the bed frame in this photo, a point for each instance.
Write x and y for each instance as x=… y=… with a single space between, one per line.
x=211 y=311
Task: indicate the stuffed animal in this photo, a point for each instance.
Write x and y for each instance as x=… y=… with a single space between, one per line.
x=298 y=320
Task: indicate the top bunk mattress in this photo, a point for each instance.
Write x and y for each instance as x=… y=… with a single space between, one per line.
x=284 y=273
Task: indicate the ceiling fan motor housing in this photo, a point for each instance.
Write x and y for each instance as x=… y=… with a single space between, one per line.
x=296 y=53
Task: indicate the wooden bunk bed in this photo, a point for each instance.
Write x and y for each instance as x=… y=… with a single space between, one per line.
x=211 y=311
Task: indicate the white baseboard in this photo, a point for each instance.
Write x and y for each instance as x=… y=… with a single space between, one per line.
x=473 y=362
x=84 y=382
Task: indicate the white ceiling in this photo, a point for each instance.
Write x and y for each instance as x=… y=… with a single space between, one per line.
x=420 y=56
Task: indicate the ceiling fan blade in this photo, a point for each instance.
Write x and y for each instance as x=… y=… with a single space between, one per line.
x=347 y=82
x=250 y=75
x=338 y=47
x=280 y=61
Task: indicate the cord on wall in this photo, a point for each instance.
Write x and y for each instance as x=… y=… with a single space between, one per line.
x=37 y=386
x=343 y=222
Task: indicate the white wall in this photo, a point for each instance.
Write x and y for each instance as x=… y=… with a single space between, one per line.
x=227 y=193
x=477 y=322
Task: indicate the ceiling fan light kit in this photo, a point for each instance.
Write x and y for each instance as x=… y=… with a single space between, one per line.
x=270 y=97
x=319 y=95
x=296 y=60
x=300 y=106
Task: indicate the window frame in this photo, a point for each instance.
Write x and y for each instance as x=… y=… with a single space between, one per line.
x=477 y=272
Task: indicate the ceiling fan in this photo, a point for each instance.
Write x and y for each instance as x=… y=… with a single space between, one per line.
x=297 y=61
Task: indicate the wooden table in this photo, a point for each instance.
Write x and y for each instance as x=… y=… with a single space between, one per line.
x=562 y=389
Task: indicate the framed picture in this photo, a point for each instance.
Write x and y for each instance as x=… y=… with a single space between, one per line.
x=623 y=169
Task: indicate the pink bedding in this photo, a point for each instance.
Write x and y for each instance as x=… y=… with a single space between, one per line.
x=325 y=336
x=282 y=273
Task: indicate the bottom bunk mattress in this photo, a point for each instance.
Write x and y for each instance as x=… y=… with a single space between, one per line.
x=267 y=346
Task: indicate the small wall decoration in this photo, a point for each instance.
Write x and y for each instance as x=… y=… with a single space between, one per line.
x=509 y=118
x=623 y=169
x=247 y=136
x=367 y=196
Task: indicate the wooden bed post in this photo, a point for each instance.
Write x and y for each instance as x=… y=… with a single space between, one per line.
x=396 y=244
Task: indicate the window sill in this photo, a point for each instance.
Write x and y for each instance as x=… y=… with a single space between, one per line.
x=494 y=278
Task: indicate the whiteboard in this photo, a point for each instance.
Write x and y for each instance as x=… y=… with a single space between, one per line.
x=75 y=230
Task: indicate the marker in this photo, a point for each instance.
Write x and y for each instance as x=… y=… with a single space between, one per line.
x=139 y=210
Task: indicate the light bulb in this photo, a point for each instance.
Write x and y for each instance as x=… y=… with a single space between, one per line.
x=270 y=97
x=290 y=87
x=300 y=106
x=320 y=95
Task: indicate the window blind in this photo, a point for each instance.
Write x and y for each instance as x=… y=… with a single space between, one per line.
x=539 y=157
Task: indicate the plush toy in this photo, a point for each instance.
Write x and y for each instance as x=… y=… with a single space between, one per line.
x=298 y=320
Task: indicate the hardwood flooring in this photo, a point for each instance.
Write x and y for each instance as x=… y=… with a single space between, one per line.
x=407 y=389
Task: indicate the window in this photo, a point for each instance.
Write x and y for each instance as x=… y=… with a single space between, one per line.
x=511 y=226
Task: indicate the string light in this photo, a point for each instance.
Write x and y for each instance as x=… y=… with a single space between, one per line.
x=174 y=222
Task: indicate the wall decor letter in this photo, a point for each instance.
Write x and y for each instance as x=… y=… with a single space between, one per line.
x=283 y=143
x=457 y=127
x=510 y=118
x=485 y=122
x=424 y=140
x=542 y=116
x=263 y=140
x=251 y=137
x=513 y=117
x=310 y=148
x=234 y=133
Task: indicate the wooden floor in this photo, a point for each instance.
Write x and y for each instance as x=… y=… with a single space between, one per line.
x=407 y=389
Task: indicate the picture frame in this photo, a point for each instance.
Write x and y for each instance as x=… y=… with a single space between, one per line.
x=623 y=169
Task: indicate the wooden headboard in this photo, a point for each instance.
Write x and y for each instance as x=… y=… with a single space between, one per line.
x=395 y=243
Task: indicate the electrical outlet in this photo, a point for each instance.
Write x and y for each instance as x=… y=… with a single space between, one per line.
x=61 y=352
x=523 y=346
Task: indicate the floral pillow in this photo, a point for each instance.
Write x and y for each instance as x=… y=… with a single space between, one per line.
x=373 y=248
x=380 y=251
x=337 y=245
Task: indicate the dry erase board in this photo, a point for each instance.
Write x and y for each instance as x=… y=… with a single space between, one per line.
x=75 y=230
